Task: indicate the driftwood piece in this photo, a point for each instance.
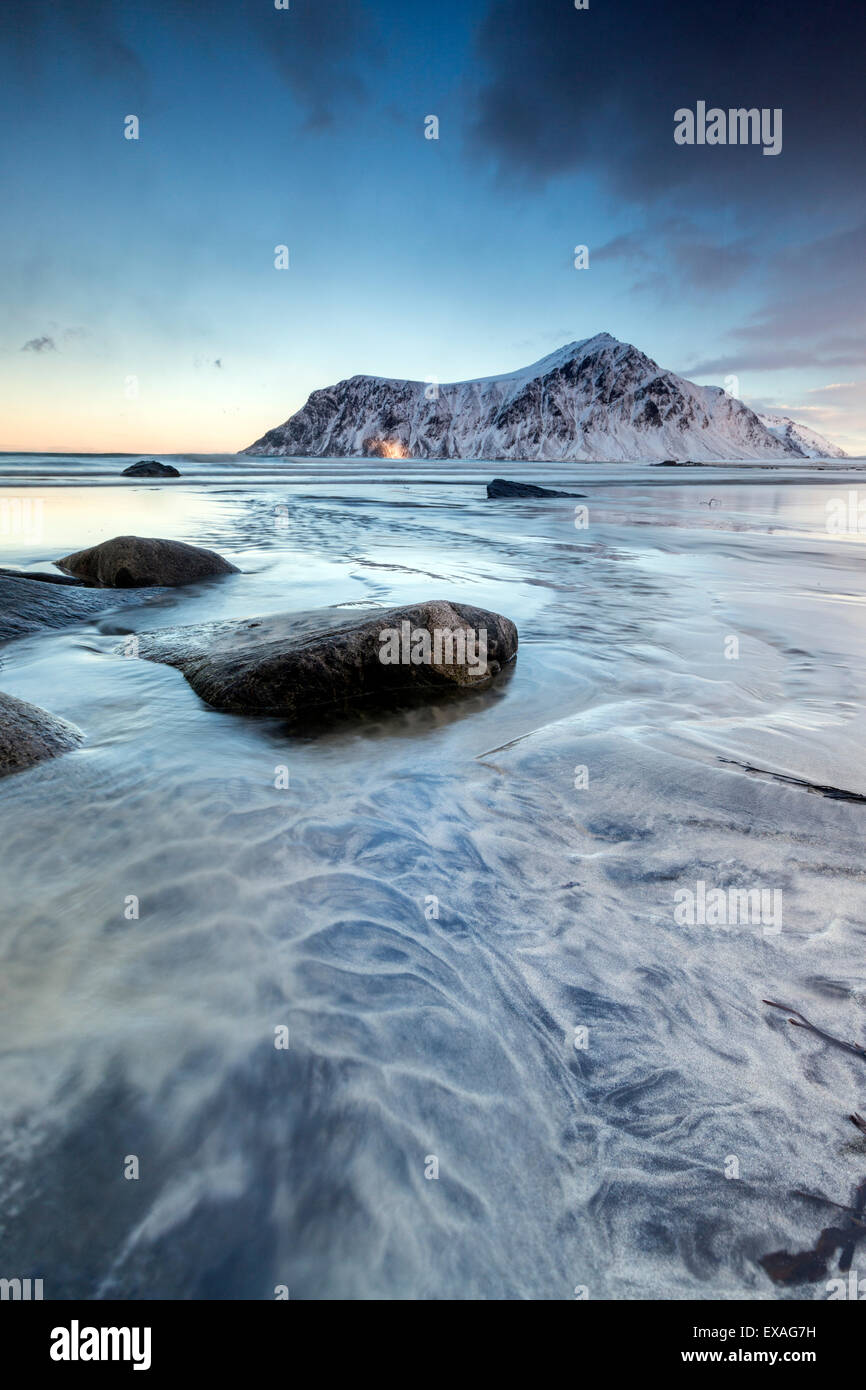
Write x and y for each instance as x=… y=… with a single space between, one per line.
x=808 y=1266
x=800 y=1021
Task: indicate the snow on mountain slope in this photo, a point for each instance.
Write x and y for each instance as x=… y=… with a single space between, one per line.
x=806 y=441
x=596 y=399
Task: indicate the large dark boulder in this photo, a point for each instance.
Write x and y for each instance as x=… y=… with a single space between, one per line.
x=501 y=487
x=136 y=562
x=29 y=735
x=149 y=468
x=301 y=668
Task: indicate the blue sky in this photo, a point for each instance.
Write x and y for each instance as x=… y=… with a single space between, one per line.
x=141 y=307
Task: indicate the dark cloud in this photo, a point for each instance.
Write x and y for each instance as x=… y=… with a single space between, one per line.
x=561 y=90
x=325 y=55
x=49 y=342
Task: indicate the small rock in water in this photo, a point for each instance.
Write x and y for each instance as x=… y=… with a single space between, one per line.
x=149 y=468
x=138 y=562
x=299 y=668
x=29 y=735
x=500 y=487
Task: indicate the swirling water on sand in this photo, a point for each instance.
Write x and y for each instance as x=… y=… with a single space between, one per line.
x=439 y=899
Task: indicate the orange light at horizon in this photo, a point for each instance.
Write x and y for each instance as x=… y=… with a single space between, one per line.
x=385 y=449
x=393 y=449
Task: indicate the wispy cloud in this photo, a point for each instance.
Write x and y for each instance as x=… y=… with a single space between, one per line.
x=837 y=386
x=323 y=52
x=813 y=312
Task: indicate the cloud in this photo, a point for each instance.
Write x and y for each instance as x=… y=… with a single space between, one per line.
x=766 y=359
x=322 y=51
x=561 y=90
x=325 y=55
x=90 y=32
x=840 y=396
x=628 y=246
x=43 y=344
x=812 y=317
x=690 y=257
x=813 y=312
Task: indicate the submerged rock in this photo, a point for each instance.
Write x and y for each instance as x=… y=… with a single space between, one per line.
x=41 y=577
x=29 y=603
x=29 y=735
x=500 y=487
x=136 y=562
x=294 y=666
x=149 y=468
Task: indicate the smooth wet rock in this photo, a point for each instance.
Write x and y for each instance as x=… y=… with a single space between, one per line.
x=30 y=603
x=29 y=735
x=136 y=562
x=501 y=487
x=307 y=667
x=42 y=577
x=150 y=468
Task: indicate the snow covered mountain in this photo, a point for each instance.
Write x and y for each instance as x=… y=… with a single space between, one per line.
x=595 y=399
x=805 y=441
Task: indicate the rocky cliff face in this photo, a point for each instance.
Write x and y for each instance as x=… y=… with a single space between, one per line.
x=595 y=399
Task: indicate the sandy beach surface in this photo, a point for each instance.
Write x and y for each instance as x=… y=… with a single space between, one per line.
x=466 y=915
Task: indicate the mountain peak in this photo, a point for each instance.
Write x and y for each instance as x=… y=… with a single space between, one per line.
x=595 y=398
x=569 y=352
